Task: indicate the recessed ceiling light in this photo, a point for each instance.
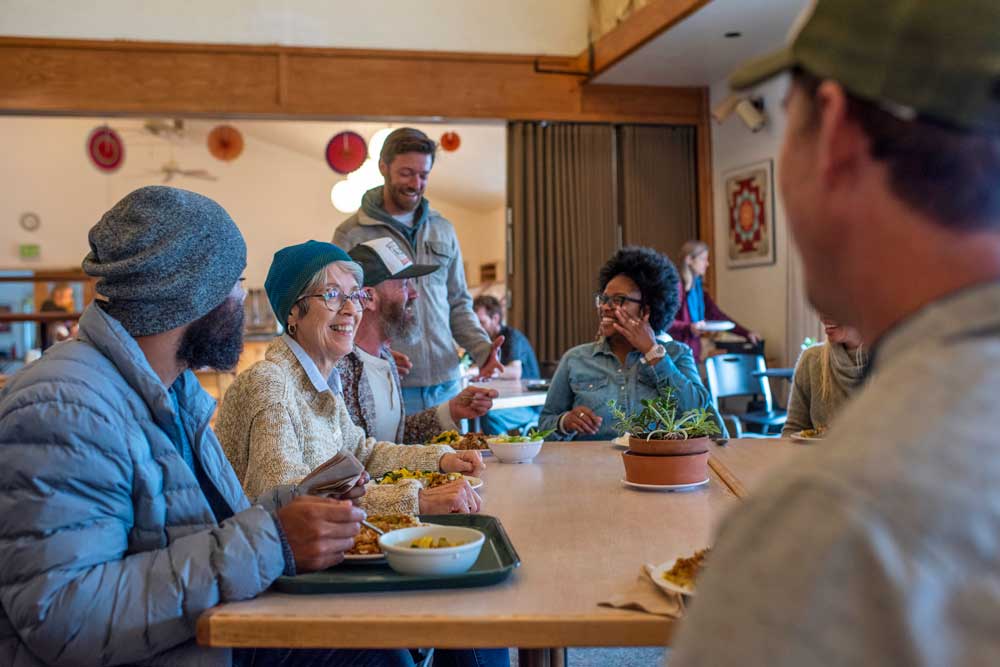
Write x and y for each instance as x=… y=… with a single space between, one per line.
x=733 y=34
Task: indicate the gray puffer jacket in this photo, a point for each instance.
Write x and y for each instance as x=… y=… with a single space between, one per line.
x=110 y=550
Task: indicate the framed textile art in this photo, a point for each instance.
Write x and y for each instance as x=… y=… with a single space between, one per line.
x=750 y=215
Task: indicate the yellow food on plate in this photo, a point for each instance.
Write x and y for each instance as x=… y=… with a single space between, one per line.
x=366 y=543
x=817 y=432
x=445 y=438
x=686 y=570
x=473 y=441
x=430 y=542
x=427 y=478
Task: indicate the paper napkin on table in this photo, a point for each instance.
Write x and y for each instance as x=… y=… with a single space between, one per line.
x=646 y=596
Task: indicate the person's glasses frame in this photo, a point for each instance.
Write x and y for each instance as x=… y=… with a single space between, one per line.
x=616 y=300
x=335 y=300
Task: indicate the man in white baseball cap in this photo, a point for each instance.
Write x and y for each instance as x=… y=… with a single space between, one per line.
x=369 y=376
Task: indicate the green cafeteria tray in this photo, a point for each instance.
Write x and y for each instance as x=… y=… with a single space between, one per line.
x=495 y=563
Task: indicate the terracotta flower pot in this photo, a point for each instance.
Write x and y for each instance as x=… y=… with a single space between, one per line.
x=660 y=470
x=667 y=447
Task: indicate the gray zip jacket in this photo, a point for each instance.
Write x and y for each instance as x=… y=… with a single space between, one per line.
x=444 y=307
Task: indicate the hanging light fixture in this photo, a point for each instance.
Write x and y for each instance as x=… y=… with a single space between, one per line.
x=376 y=142
x=346 y=196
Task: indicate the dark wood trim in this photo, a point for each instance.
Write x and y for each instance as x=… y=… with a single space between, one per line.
x=643 y=25
x=81 y=77
x=706 y=198
x=39 y=317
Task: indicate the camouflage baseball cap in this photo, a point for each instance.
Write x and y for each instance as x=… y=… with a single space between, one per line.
x=935 y=59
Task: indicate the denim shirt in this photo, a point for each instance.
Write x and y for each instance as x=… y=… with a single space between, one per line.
x=590 y=375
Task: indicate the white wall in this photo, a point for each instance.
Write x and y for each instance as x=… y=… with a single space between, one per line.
x=756 y=296
x=510 y=26
x=481 y=235
x=277 y=196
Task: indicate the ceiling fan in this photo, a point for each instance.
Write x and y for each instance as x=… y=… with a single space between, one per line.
x=171 y=168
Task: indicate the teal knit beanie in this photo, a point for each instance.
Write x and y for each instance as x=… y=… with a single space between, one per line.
x=291 y=270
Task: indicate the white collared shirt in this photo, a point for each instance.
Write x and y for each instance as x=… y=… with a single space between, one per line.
x=321 y=384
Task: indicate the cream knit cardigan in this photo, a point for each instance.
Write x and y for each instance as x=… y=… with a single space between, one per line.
x=276 y=428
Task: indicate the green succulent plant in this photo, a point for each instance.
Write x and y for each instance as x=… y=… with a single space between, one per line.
x=658 y=419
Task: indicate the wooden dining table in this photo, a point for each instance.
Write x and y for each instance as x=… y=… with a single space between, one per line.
x=582 y=538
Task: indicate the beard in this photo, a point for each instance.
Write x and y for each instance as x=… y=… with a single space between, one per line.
x=214 y=340
x=399 y=322
x=396 y=192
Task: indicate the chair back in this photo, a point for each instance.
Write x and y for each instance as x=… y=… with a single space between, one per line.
x=732 y=375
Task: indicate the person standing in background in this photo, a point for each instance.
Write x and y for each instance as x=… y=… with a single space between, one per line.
x=696 y=305
x=398 y=209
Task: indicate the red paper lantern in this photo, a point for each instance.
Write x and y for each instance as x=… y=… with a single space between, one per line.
x=450 y=141
x=105 y=149
x=225 y=143
x=346 y=151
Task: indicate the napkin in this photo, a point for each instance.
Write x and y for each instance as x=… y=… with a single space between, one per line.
x=335 y=477
x=646 y=596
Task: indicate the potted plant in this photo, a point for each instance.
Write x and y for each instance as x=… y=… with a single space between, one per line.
x=665 y=447
x=657 y=428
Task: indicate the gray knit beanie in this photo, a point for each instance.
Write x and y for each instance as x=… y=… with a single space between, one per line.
x=164 y=257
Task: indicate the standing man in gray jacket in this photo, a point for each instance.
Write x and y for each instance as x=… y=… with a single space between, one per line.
x=429 y=367
x=121 y=521
x=881 y=546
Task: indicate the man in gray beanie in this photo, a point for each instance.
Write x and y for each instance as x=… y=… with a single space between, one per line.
x=122 y=519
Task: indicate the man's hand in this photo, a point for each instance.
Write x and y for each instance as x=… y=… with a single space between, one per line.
x=472 y=402
x=403 y=363
x=582 y=420
x=698 y=328
x=468 y=462
x=319 y=530
x=492 y=366
x=753 y=337
x=450 y=498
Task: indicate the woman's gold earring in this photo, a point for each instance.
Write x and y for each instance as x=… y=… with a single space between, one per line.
x=291 y=329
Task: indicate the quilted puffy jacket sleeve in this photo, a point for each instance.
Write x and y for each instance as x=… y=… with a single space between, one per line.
x=71 y=585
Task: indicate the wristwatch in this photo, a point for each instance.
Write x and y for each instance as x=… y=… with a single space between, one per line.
x=655 y=354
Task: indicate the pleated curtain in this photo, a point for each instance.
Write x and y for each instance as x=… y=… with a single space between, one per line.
x=561 y=193
x=576 y=192
x=659 y=187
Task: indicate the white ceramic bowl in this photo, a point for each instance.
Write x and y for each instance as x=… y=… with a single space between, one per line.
x=515 y=452
x=449 y=560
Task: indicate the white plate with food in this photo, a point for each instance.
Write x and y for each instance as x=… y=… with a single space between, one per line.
x=366 y=549
x=678 y=575
x=808 y=435
x=713 y=326
x=621 y=442
x=664 y=487
x=427 y=478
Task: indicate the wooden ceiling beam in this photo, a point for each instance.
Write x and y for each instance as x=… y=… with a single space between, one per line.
x=107 y=77
x=644 y=24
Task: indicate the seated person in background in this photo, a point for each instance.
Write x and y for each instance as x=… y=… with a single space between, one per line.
x=368 y=375
x=518 y=359
x=122 y=520
x=696 y=305
x=825 y=376
x=626 y=363
x=285 y=415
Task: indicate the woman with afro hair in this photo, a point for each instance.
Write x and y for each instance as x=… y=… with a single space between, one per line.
x=631 y=359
